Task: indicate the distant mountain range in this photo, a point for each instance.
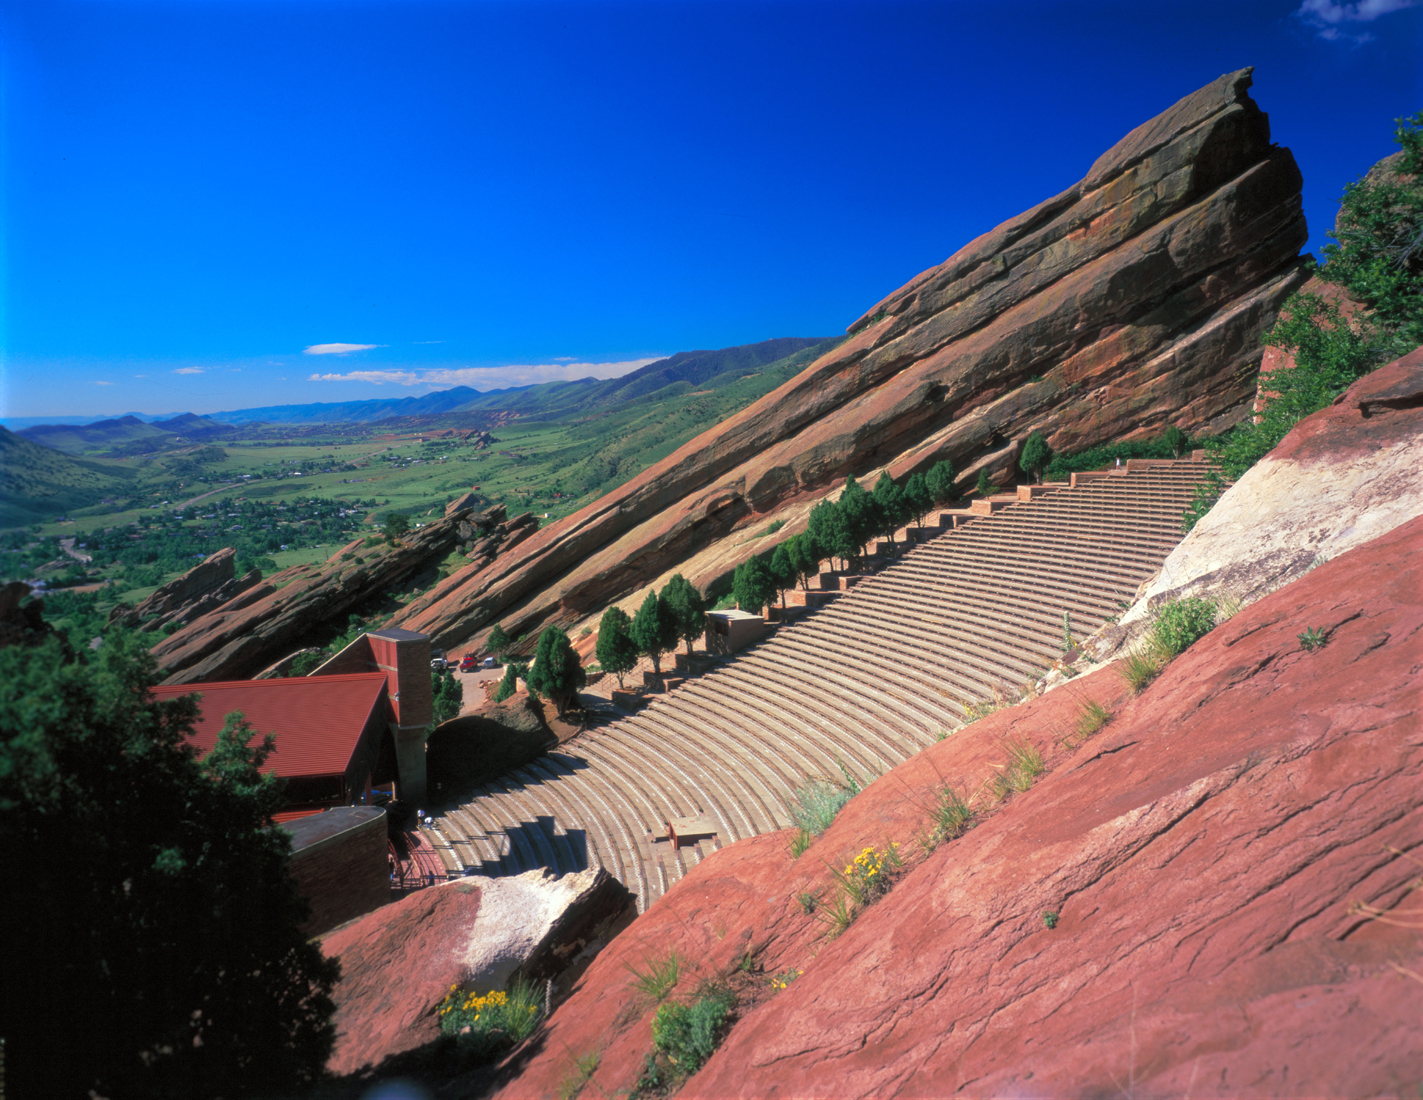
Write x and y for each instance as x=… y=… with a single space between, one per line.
x=128 y=432
x=548 y=399
x=37 y=482
x=553 y=400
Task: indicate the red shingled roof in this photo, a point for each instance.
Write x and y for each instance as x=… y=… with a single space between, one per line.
x=317 y=719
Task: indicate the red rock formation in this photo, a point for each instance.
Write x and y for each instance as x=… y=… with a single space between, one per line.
x=398 y=962
x=263 y=624
x=206 y=586
x=1203 y=853
x=1133 y=300
x=1345 y=475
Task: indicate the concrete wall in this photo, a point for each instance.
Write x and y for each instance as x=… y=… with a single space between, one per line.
x=728 y=631
x=340 y=860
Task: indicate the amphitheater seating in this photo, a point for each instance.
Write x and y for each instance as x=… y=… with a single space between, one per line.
x=970 y=607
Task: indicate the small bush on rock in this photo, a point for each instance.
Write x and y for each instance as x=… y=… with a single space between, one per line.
x=816 y=802
x=1181 y=623
x=687 y=1034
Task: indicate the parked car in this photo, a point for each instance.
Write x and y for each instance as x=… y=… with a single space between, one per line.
x=470 y=663
x=438 y=661
x=491 y=662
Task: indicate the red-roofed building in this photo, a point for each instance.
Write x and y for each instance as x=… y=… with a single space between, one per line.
x=339 y=733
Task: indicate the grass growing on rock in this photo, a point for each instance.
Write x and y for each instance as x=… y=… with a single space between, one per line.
x=658 y=976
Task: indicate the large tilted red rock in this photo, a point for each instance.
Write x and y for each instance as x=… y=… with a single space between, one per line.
x=1133 y=300
x=267 y=622
x=208 y=585
x=1204 y=854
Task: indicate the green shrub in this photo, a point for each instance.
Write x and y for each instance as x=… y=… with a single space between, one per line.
x=688 y=1034
x=1312 y=639
x=1141 y=667
x=1182 y=622
x=816 y=802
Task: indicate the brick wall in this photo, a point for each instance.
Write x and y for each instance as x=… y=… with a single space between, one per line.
x=343 y=875
x=406 y=661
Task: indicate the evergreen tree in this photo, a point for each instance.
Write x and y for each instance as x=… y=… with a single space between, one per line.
x=654 y=629
x=1176 y=439
x=940 y=480
x=861 y=513
x=1036 y=455
x=557 y=672
x=829 y=532
x=498 y=642
x=157 y=950
x=617 y=652
x=448 y=695
x=514 y=671
x=752 y=586
x=397 y=524
x=688 y=608
x=782 y=572
x=890 y=505
x=985 y=484
x=917 y=497
x=805 y=556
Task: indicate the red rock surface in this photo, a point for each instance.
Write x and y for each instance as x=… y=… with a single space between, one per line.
x=398 y=962
x=208 y=585
x=1341 y=477
x=1133 y=300
x=1203 y=850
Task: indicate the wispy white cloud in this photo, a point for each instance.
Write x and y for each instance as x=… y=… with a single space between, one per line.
x=189 y=370
x=1329 y=18
x=140 y=376
x=429 y=341
x=98 y=383
x=337 y=349
x=490 y=378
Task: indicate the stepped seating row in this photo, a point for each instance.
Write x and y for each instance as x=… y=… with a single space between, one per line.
x=964 y=609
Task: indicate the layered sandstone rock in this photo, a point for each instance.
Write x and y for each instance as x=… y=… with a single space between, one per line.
x=398 y=963
x=206 y=586
x=266 y=623
x=1342 y=477
x=1133 y=300
x=1204 y=856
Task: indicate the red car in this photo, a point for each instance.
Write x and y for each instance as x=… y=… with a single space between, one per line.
x=470 y=663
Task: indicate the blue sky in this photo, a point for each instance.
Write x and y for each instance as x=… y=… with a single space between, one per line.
x=198 y=193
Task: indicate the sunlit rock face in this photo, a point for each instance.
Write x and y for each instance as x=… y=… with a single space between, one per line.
x=1133 y=300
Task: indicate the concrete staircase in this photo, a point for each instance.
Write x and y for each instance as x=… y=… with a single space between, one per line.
x=971 y=608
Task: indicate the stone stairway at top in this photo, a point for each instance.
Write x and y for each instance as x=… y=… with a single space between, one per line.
x=864 y=682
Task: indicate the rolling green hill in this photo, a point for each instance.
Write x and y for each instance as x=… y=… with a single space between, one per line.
x=36 y=481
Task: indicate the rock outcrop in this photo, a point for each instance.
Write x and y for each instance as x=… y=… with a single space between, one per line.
x=1133 y=300
x=398 y=963
x=1208 y=857
x=203 y=588
x=21 y=623
x=267 y=622
x=1342 y=477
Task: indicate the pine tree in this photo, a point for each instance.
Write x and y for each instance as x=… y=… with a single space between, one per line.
x=985 y=484
x=861 y=512
x=1036 y=455
x=498 y=642
x=448 y=695
x=917 y=497
x=752 y=586
x=557 y=672
x=688 y=608
x=805 y=556
x=617 y=652
x=830 y=532
x=654 y=629
x=940 y=480
x=163 y=909
x=890 y=505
